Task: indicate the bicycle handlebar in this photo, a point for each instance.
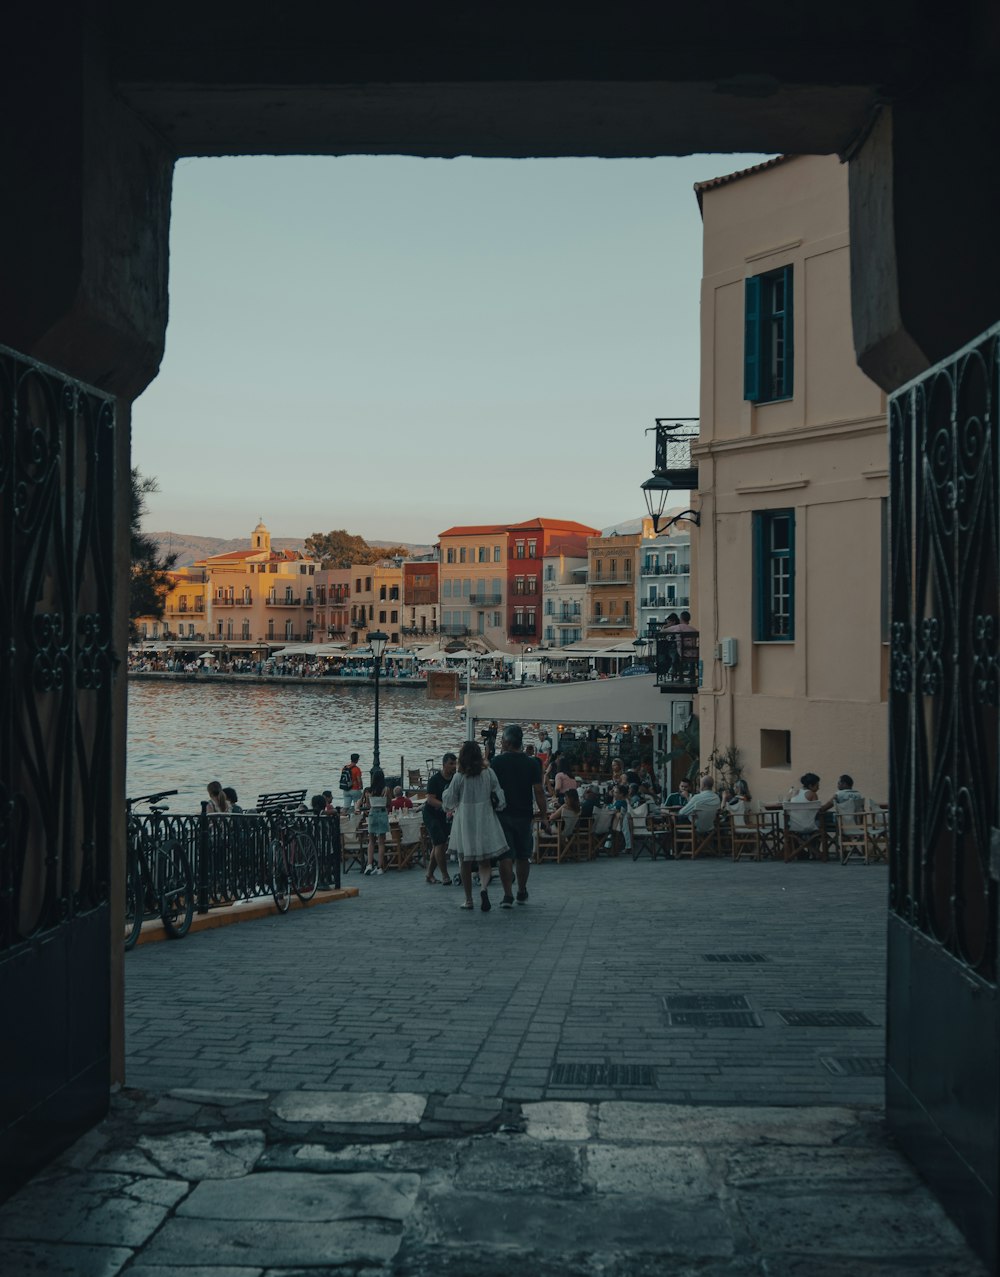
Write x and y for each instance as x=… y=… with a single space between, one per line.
x=150 y=798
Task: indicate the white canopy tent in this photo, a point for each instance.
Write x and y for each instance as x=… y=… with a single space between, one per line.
x=612 y=700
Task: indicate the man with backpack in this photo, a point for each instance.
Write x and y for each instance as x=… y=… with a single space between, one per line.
x=351 y=783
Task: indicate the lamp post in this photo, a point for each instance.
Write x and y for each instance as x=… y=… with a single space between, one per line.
x=377 y=641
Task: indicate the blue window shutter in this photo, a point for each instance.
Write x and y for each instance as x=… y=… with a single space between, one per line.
x=751 y=339
x=786 y=389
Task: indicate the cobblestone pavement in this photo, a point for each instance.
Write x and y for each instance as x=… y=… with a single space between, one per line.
x=196 y=1184
x=584 y=993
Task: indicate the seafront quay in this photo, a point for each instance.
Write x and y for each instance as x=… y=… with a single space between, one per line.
x=652 y=1067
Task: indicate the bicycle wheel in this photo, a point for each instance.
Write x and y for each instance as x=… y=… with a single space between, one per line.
x=279 y=876
x=135 y=899
x=174 y=889
x=303 y=865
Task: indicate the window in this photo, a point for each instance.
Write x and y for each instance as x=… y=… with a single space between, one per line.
x=357 y=586
x=288 y=629
x=550 y=572
x=767 y=336
x=371 y=613
x=497 y=620
x=462 y=555
x=597 y=611
x=775 y=748
x=394 y=617
x=518 y=549
x=467 y=587
x=270 y=628
x=532 y=549
x=532 y=584
x=229 y=629
x=550 y=633
x=368 y=584
x=382 y=593
x=381 y=617
x=774 y=575
x=550 y=607
x=449 y=555
x=245 y=630
x=497 y=554
x=484 y=554
x=519 y=585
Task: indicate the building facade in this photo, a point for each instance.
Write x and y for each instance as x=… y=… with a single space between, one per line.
x=564 y=595
x=376 y=600
x=612 y=585
x=420 y=599
x=529 y=545
x=664 y=574
x=792 y=476
x=472 y=568
x=333 y=604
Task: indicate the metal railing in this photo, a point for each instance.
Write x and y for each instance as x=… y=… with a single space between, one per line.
x=285 y=602
x=676 y=661
x=486 y=600
x=454 y=630
x=524 y=631
x=609 y=620
x=611 y=580
x=230 y=855
x=675 y=569
x=680 y=600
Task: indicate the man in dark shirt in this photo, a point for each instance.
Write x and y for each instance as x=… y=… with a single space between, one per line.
x=520 y=779
x=436 y=819
x=590 y=801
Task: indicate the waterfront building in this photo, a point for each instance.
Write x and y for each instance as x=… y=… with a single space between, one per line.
x=420 y=598
x=259 y=595
x=612 y=583
x=472 y=580
x=529 y=545
x=333 y=602
x=792 y=478
x=564 y=593
x=664 y=574
x=184 y=614
x=376 y=600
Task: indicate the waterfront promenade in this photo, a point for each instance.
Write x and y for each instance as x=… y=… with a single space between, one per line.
x=391 y=1086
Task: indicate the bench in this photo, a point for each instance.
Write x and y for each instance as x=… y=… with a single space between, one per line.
x=285 y=800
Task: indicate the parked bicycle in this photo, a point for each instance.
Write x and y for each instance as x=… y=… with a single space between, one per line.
x=294 y=864
x=158 y=877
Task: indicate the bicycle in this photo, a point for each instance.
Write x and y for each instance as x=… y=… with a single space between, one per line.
x=158 y=876
x=294 y=865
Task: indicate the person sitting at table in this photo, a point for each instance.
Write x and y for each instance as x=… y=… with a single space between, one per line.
x=568 y=813
x=617 y=773
x=809 y=791
x=647 y=777
x=847 y=800
x=680 y=796
x=564 y=782
x=400 y=801
x=620 y=822
x=590 y=802
x=702 y=809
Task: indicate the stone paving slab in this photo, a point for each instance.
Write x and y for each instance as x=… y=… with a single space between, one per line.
x=546 y=1190
x=577 y=977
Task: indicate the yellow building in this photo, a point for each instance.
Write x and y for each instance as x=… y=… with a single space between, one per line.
x=376 y=600
x=612 y=576
x=792 y=475
x=472 y=581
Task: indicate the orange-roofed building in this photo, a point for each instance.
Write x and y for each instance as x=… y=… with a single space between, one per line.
x=259 y=595
x=538 y=548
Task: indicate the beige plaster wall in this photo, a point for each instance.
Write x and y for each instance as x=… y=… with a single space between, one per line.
x=823 y=454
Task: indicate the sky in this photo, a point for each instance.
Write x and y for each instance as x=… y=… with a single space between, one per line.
x=395 y=345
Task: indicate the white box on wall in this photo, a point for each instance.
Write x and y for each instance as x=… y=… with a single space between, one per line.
x=730 y=651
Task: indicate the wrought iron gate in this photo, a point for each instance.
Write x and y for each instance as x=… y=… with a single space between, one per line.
x=943 y=1080
x=57 y=480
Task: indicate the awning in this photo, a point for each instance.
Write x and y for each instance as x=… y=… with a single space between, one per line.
x=611 y=700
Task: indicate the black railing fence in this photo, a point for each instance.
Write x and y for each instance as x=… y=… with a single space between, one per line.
x=231 y=854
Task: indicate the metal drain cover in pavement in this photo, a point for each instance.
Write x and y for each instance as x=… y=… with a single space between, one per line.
x=603 y=1075
x=734 y=957
x=854 y=1065
x=705 y=1002
x=710 y=1011
x=827 y=1020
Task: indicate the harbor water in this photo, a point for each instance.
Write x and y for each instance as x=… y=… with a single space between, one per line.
x=260 y=738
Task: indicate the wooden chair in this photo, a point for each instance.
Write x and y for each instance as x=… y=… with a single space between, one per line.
x=690 y=840
x=600 y=830
x=802 y=835
x=414 y=779
x=643 y=833
x=404 y=845
x=744 y=829
x=353 y=843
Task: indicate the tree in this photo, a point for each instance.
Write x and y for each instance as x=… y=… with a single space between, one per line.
x=150 y=575
x=340 y=549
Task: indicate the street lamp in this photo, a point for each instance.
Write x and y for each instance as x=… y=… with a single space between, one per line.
x=377 y=641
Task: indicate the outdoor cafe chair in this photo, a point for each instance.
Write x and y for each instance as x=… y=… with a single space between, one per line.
x=877 y=828
x=803 y=835
x=745 y=832
x=600 y=829
x=405 y=841
x=353 y=842
x=691 y=841
x=643 y=832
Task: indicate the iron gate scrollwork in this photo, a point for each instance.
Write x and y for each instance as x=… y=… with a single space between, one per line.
x=57 y=541
x=56 y=483
x=945 y=675
x=943 y=1009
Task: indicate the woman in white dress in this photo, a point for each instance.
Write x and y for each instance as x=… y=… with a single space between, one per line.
x=475 y=797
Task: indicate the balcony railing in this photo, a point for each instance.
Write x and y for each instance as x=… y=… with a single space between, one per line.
x=227 y=602
x=627 y=579
x=668 y=569
x=485 y=600
x=453 y=631
x=676 y=662
x=420 y=629
x=661 y=600
x=420 y=598
x=196 y=609
x=287 y=601
x=673 y=452
x=524 y=630
x=610 y=620
x=565 y=618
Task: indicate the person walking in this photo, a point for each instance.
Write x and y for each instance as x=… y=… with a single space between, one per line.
x=520 y=778
x=476 y=833
x=435 y=820
x=375 y=801
x=352 y=783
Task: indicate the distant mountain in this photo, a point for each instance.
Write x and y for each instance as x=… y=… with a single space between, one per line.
x=188 y=547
